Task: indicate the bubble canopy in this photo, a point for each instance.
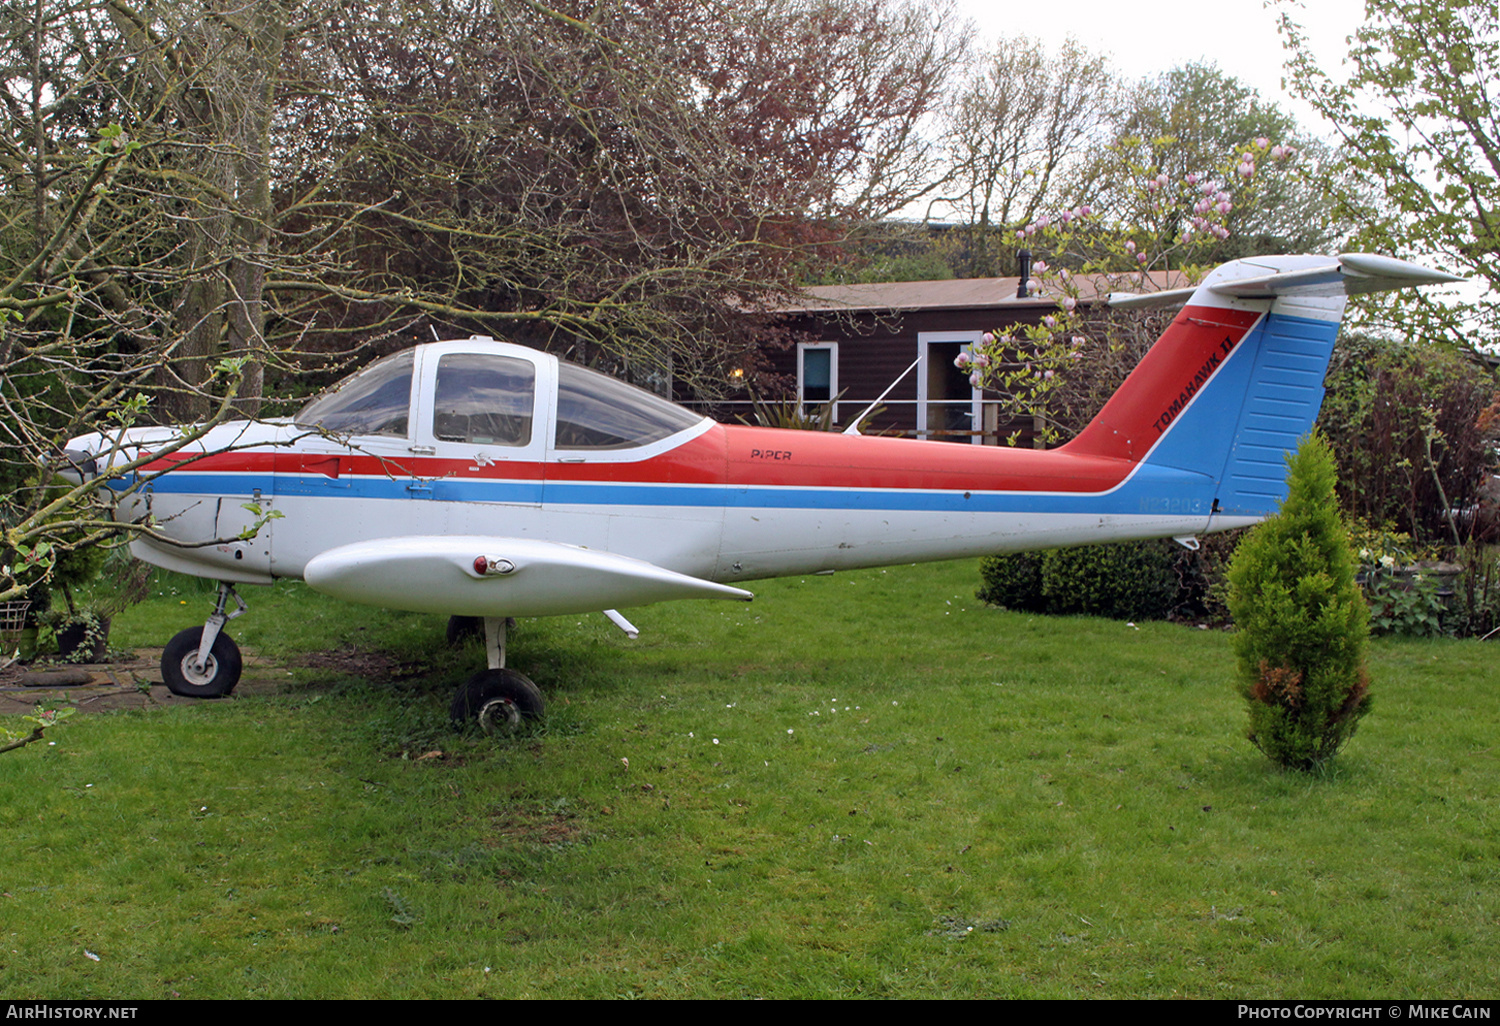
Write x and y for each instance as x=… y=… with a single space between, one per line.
x=487 y=397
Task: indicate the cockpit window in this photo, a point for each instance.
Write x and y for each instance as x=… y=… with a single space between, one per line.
x=484 y=399
x=595 y=411
x=376 y=401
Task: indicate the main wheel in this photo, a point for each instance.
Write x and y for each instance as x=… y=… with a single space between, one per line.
x=462 y=628
x=215 y=679
x=500 y=701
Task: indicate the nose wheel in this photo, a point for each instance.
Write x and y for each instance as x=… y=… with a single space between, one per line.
x=204 y=662
x=213 y=677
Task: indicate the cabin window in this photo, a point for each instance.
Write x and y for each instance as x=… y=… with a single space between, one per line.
x=595 y=411
x=817 y=372
x=483 y=399
x=376 y=401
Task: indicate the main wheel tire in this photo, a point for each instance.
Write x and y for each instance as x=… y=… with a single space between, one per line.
x=462 y=628
x=499 y=701
x=214 y=680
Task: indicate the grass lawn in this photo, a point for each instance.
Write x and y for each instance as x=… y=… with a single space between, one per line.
x=859 y=785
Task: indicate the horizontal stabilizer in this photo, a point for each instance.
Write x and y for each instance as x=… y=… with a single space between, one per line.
x=478 y=575
x=1350 y=274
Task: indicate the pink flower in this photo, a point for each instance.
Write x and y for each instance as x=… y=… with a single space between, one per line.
x=1047 y=374
x=1191 y=178
x=1050 y=321
x=1130 y=246
x=1069 y=303
x=1141 y=259
x=989 y=338
x=982 y=360
x=1039 y=267
x=1224 y=207
x=1246 y=169
x=1032 y=285
x=1262 y=142
x=1085 y=210
x=976 y=379
x=1043 y=221
x=961 y=361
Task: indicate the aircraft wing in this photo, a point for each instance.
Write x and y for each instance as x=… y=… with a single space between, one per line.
x=1351 y=274
x=478 y=575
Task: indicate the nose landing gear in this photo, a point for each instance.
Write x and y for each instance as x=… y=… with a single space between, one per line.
x=204 y=662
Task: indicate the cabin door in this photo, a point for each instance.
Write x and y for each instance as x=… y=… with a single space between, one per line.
x=949 y=409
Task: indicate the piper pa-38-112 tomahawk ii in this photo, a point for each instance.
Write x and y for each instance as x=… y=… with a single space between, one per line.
x=482 y=479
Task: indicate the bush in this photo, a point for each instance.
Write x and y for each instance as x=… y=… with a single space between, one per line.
x=1013 y=581
x=1411 y=433
x=1127 y=581
x=1301 y=623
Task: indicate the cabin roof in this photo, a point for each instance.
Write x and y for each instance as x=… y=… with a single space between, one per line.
x=962 y=293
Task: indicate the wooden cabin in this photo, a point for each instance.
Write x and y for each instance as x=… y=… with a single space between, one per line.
x=896 y=342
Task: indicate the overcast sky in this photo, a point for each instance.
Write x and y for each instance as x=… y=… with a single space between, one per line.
x=1146 y=38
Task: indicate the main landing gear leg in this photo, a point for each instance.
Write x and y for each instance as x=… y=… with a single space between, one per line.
x=497 y=699
x=204 y=662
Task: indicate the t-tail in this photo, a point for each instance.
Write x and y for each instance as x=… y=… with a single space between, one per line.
x=1236 y=380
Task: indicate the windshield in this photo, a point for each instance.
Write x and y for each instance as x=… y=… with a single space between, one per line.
x=376 y=401
x=595 y=411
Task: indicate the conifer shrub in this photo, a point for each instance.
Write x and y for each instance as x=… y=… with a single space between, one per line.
x=1301 y=623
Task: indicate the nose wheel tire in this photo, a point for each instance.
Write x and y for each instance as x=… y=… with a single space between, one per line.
x=214 y=679
x=498 y=701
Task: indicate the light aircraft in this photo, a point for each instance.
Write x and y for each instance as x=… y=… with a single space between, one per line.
x=482 y=479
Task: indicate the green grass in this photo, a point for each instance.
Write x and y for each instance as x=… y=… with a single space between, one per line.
x=863 y=784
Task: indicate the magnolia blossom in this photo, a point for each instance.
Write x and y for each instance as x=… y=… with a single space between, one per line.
x=961 y=361
x=982 y=360
x=1141 y=258
x=1191 y=178
x=1032 y=285
x=989 y=338
x=1262 y=142
x=1040 y=266
x=1130 y=246
x=976 y=379
x=1047 y=375
x=1050 y=321
x=1246 y=169
x=1069 y=303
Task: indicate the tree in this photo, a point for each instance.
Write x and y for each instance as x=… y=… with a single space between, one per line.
x=195 y=195
x=1417 y=117
x=1195 y=118
x=1019 y=139
x=1301 y=623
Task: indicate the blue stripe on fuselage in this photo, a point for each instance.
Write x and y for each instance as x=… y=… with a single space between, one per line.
x=1150 y=490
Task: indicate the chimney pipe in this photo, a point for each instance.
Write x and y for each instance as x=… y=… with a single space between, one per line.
x=1023 y=257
